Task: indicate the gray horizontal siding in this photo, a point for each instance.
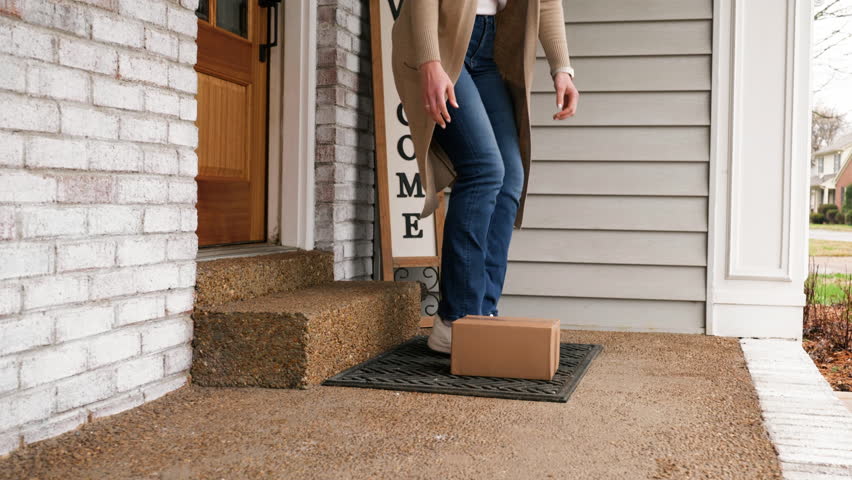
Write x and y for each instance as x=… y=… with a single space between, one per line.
x=620 y=178
x=632 y=74
x=609 y=247
x=610 y=314
x=568 y=142
x=615 y=223
x=676 y=214
x=689 y=37
x=623 y=108
x=649 y=282
x=636 y=10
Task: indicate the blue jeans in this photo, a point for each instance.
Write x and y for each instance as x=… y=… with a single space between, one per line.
x=481 y=141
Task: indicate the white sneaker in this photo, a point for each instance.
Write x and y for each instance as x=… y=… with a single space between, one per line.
x=441 y=338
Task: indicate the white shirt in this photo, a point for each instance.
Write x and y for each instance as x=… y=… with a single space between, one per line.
x=489 y=7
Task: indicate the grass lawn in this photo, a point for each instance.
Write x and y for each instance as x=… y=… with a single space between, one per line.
x=829 y=288
x=836 y=228
x=829 y=248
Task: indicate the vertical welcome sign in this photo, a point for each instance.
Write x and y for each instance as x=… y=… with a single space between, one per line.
x=406 y=240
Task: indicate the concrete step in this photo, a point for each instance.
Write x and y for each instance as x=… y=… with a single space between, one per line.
x=231 y=279
x=301 y=337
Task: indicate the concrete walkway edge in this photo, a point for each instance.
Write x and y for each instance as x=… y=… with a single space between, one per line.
x=809 y=426
x=830 y=235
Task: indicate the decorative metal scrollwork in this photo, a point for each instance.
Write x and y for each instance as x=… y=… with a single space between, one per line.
x=429 y=279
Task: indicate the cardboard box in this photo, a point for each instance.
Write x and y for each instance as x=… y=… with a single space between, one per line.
x=506 y=347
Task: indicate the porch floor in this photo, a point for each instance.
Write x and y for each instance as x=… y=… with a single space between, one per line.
x=661 y=406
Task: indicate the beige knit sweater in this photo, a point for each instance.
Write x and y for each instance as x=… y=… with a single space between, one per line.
x=431 y=29
x=551 y=33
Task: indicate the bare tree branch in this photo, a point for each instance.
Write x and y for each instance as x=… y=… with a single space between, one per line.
x=826 y=122
x=839 y=37
x=831 y=10
x=827 y=10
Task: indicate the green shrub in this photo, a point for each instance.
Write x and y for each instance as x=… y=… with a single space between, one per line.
x=825 y=207
x=847 y=201
x=847 y=217
x=839 y=217
x=830 y=215
x=817 y=217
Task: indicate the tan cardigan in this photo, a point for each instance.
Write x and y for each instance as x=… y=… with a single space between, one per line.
x=440 y=30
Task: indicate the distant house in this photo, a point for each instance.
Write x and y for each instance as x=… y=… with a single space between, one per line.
x=830 y=174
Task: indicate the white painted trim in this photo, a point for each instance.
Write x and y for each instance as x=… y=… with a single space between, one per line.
x=760 y=295
x=761 y=321
x=293 y=128
x=743 y=301
x=274 y=143
x=736 y=189
x=719 y=98
x=734 y=140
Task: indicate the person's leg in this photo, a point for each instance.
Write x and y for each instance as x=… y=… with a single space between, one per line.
x=500 y=110
x=472 y=147
x=502 y=220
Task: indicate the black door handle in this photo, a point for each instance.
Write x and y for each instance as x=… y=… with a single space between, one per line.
x=271 y=39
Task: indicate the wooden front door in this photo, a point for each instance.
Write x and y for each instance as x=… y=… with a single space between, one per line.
x=231 y=122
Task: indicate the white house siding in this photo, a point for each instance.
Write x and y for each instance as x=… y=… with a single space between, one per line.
x=615 y=228
x=97 y=208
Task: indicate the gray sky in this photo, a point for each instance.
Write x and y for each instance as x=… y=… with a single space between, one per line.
x=832 y=72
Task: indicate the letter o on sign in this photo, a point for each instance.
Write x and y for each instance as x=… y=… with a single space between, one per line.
x=400 y=147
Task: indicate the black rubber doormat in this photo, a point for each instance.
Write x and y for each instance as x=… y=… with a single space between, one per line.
x=413 y=367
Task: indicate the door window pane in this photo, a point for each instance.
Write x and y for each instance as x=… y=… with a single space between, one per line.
x=203 y=11
x=232 y=15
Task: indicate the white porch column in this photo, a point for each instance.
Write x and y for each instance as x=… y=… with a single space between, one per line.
x=759 y=171
x=292 y=128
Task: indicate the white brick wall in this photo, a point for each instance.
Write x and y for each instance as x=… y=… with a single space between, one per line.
x=97 y=209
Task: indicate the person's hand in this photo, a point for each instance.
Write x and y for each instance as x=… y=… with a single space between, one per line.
x=567 y=96
x=437 y=87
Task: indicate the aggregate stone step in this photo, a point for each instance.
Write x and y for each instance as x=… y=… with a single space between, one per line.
x=231 y=279
x=299 y=338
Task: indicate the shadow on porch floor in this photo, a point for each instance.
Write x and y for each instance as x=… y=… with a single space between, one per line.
x=661 y=406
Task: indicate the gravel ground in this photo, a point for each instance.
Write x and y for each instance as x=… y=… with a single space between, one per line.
x=652 y=406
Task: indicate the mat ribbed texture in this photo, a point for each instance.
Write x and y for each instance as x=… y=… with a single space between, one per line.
x=413 y=367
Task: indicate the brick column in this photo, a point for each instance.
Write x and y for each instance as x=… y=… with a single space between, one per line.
x=345 y=147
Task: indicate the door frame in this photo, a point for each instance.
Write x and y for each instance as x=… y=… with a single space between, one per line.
x=292 y=128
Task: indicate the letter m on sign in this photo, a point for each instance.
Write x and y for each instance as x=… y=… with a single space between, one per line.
x=406 y=188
